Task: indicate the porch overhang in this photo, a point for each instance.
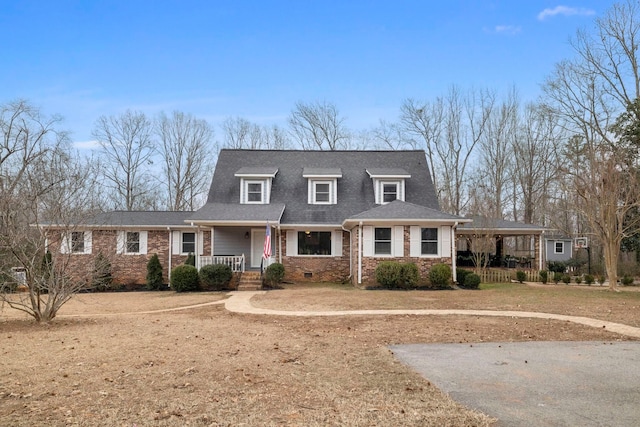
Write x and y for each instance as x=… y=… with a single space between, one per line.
x=223 y=214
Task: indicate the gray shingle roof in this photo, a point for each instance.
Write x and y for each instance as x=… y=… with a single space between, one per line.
x=399 y=210
x=237 y=213
x=355 y=187
x=499 y=225
x=160 y=219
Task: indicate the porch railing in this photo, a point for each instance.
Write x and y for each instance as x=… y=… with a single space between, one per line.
x=236 y=262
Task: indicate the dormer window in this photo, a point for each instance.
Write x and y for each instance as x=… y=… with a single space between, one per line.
x=255 y=184
x=254 y=191
x=323 y=185
x=388 y=184
x=389 y=191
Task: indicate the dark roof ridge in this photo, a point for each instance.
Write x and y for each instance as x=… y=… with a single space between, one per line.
x=415 y=150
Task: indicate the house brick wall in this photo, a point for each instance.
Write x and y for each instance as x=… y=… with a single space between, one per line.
x=369 y=264
x=316 y=269
x=127 y=269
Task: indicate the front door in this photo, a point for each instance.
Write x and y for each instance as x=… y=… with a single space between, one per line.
x=257 y=246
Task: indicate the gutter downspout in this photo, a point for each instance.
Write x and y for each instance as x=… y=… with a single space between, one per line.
x=453 y=251
x=170 y=251
x=360 y=253
x=279 y=244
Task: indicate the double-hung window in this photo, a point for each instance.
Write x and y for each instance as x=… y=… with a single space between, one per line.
x=188 y=243
x=133 y=242
x=77 y=242
x=382 y=241
x=389 y=192
x=254 y=191
x=429 y=241
x=558 y=248
x=321 y=192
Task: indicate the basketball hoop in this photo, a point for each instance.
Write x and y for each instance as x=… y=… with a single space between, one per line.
x=580 y=243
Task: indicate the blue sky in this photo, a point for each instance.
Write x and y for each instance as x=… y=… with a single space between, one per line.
x=256 y=59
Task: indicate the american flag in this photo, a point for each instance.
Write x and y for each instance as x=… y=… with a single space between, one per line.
x=266 y=251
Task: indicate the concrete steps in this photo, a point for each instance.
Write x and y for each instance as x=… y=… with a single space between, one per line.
x=250 y=281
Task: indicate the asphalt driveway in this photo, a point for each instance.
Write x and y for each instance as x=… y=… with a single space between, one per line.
x=536 y=383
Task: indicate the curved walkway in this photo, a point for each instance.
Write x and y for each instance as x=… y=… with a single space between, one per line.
x=240 y=302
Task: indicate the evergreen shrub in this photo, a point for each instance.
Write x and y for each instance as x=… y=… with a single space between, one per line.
x=154 y=274
x=215 y=276
x=184 y=278
x=440 y=276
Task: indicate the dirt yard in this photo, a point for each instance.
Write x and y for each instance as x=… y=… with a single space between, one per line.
x=104 y=363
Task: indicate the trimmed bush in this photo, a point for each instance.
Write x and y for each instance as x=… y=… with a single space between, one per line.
x=184 y=278
x=521 y=276
x=215 y=276
x=589 y=279
x=440 y=275
x=409 y=276
x=557 y=277
x=461 y=274
x=578 y=279
x=566 y=279
x=471 y=281
x=388 y=274
x=544 y=276
x=154 y=274
x=601 y=280
x=627 y=280
x=273 y=275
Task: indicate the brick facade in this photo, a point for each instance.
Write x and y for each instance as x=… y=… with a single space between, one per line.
x=316 y=268
x=129 y=270
x=369 y=264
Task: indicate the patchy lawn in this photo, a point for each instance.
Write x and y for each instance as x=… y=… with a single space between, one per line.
x=204 y=366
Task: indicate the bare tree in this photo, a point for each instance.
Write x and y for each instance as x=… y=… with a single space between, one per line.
x=240 y=133
x=449 y=129
x=590 y=92
x=390 y=136
x=128 y=151
x=496 y=152
x=319 y=126
x=536 y=162
x=188 y=158
x=41 y=182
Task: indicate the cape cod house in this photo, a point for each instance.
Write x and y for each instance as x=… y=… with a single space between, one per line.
x=330 y=215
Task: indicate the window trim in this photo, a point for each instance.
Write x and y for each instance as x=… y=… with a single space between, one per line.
x=330 y=232
x=73 y=242
x=376 y=241
x=182 y=242
x=555 y=247
x=379 y=190
x=250 y=182
x=436 y=241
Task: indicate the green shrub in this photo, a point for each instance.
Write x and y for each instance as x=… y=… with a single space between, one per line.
x=601 y=279
x=589 y=279
x=557 y=266
x=215 y=276
x=627 y=280
x=191 y=260
x=472 y=281
x=461 y=274
x=557 y=277
x=184 y=278
x=154 y=274
x=409 y=275
x=578 y=279
x=521 y=276
x=273 y=275
x=101 y=278
x=388 y=274
x=566 y=279
x=440 y=275
x=544 y=276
